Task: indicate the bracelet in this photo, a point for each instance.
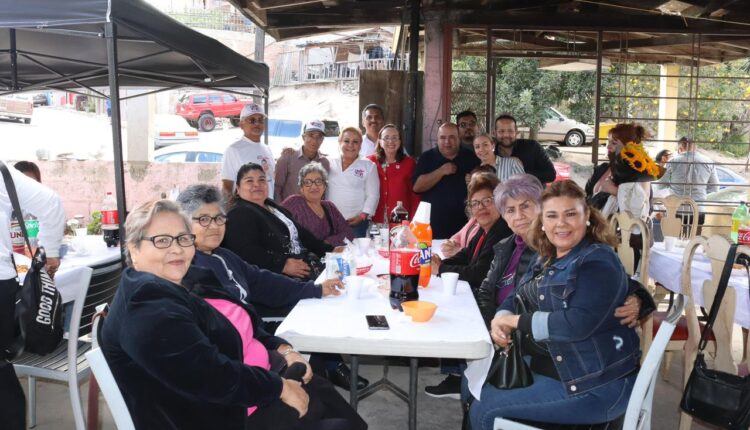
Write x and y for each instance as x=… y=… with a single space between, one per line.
x=288 y=351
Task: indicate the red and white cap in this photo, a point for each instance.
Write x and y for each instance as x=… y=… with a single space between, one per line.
x=252 y=109
x=314 y=125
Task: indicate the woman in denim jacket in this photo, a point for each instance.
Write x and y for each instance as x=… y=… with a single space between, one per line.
x=584 y=361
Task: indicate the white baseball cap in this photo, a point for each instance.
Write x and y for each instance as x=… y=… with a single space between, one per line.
x=252 y=109
x=314 y=125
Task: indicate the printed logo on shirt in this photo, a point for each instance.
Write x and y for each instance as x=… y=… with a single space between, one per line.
x=360 y=173
x=263 y=163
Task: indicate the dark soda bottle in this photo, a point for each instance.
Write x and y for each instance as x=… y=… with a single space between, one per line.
x=110 y=221
x=399 y=214
x=404 y=266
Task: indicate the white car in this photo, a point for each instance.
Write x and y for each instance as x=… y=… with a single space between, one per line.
x=287 y=133
x=197 y=152
x=561 y=129
x=172 y=129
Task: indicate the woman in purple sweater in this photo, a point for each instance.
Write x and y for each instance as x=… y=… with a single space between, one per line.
x=320 y=217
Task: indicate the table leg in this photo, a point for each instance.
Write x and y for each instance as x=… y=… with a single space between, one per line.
x=353 y=394
x=413 y=370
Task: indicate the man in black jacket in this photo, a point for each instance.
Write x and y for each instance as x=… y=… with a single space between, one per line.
x=531 y=154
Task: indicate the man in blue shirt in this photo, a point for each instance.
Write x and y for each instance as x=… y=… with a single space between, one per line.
x=440 y=179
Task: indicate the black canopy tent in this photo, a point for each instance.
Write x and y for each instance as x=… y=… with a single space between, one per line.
x=84 y=45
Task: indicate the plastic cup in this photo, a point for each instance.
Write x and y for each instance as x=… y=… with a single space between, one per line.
x=353 y=287
x=81 y=232
x=669 y=243
x=363 y=243
x=450 y=281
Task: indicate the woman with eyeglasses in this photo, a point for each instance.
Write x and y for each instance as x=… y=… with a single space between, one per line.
x=472 y=262
x=264 y=233
x=320 y=217
x=186 y=354
x=395 y=170
x=353 y=183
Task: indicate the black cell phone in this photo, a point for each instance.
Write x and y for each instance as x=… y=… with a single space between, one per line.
x=377 y=322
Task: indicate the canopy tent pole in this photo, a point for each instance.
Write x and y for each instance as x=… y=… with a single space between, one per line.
x=13 y=60
x=110 y=30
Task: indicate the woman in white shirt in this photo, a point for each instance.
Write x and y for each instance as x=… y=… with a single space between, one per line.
x=353 y=184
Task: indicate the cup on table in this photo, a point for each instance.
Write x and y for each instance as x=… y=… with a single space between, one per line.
x=669 y=243
x=353 y=287
x=81 y=232
x=450 y=280
x=363 y=243
x=385 y=237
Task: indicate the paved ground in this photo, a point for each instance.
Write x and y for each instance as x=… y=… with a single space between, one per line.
x=382 y=411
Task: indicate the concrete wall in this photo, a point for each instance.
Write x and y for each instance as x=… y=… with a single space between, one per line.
x=82 y=185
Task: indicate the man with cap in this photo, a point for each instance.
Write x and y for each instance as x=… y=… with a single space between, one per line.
x=373 y=119
x=290 y=162
x=248 y=149
x=468 y=128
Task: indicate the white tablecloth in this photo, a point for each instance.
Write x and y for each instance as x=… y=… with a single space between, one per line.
x=71 y=276
x=337 y=325
x=665 y=267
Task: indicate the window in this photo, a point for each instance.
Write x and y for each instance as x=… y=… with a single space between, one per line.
x=199 y=99
x=228 y=98
x=208 y=157
x=215 y=99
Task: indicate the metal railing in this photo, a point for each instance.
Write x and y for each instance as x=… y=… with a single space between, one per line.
x=339 y=71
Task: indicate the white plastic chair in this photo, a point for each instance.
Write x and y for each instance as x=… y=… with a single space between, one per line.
x=106 y=381
x=638 y=413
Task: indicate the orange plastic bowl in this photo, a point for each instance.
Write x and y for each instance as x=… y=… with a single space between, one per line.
x=419 y=311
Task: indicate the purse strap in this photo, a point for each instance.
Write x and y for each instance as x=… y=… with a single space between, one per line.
x=720 y=290
x=13 y=196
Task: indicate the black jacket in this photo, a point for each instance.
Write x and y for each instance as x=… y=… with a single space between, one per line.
x=260 y=238
x=473 y=268
x=534 y=159
x=487 y=294
x=178 y=361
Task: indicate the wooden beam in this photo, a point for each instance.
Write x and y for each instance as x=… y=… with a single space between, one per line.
x=670 y=41
x=583 y=22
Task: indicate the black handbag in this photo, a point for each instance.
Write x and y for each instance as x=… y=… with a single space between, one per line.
x=508 y=369
x=38 y=311
x=716 y=397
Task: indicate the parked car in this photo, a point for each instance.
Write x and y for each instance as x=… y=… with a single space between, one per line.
x=40 y=99
x=287 y=133
x=172 y=129
x=728 y=177
x=195 y=152
x=200 y=110
x=561 y=129
x=17 y=106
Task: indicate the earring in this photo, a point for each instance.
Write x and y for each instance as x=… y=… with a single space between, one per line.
x=542 y=228
x=588 y=223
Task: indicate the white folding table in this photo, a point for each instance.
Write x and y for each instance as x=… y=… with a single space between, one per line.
x=337 y=325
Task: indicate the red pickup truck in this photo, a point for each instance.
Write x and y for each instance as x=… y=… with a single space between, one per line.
x=200 y=110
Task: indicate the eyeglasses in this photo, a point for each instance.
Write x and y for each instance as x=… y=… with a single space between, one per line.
x=254 y=121
x=164 y=241
x=390 y=139
x=309 y=182
x=205 y=220
x=485 y=203
x=467 y=124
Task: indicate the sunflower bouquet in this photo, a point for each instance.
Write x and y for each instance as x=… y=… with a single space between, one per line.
x=633 y=164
